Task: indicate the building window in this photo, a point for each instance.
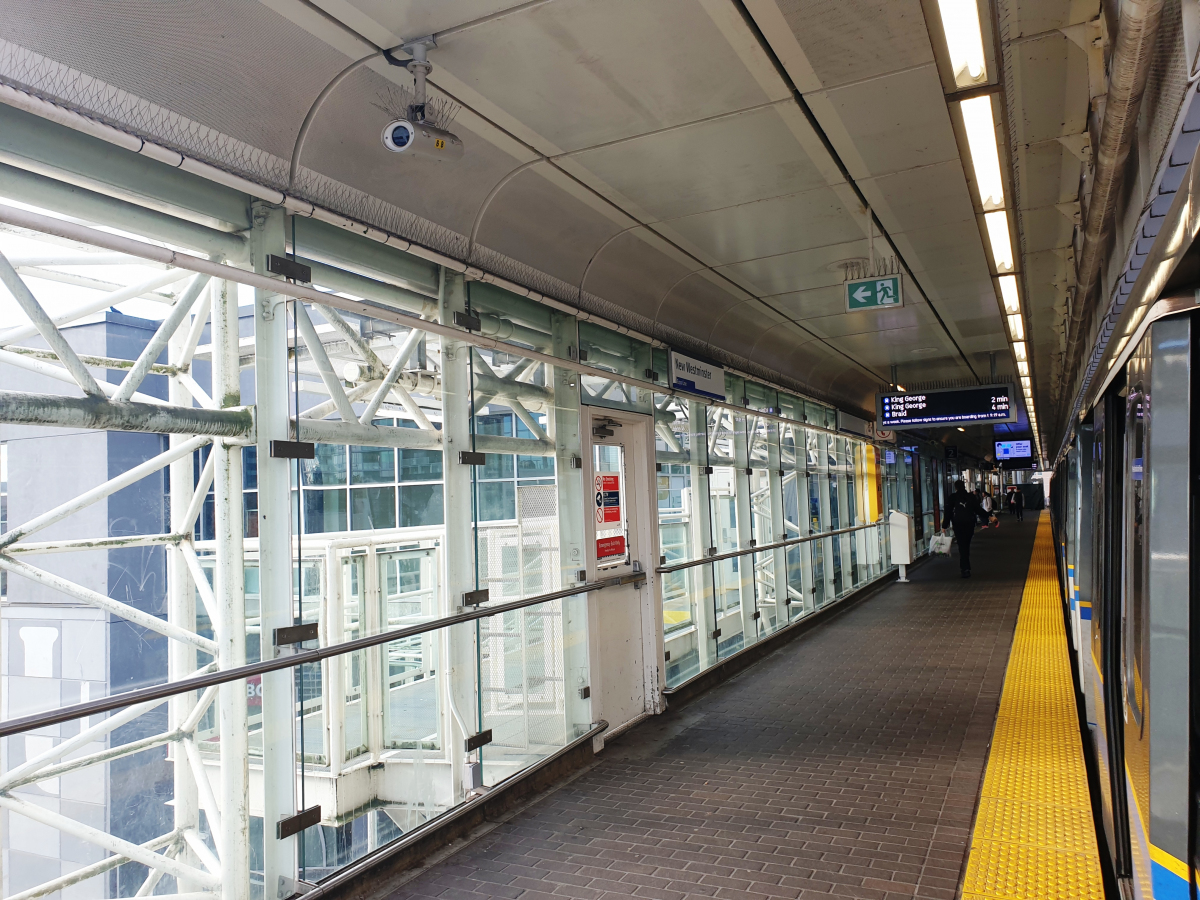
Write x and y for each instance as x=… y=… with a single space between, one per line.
x=367 y=488
x=498 y=479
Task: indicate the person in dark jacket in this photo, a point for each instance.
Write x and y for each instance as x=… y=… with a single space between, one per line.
x=1018 y=504
x=961 y=512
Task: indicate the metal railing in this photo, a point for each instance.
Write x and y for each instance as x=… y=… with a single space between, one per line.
x=223 y=676
x=732 y=554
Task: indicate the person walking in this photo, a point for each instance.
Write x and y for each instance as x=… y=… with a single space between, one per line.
x=1018 y=500
x=961 y=512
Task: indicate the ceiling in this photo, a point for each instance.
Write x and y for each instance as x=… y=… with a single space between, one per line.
x=669 y=169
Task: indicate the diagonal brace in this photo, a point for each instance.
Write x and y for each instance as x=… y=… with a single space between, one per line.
x=48 y=330
x=158 y=343
x=332 y=384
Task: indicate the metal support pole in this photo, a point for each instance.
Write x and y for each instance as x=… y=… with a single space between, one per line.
x=461 y=685
x=568 y=444
x=181 y=611
x=229 y=594
x=745 y=528
x=778 y=528
x=274 y=555
x=804 y=478
x=701 y=583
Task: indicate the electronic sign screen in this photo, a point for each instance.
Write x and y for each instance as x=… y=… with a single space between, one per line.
x=1013 y=450
x=953 y=406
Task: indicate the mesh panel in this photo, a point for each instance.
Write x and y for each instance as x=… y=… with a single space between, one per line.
x=1166 y=85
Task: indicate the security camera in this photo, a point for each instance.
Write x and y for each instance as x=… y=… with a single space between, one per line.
x=398 y=136
x=421 y=139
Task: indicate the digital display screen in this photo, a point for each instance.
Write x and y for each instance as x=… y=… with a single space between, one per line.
x=954 y=406
x=1013 y=450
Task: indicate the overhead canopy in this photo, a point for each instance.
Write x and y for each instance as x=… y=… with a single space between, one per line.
x=665 y=171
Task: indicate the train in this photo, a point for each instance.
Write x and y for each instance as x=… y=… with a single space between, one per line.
x=1124 y=504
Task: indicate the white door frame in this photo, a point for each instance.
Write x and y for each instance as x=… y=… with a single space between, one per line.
x=636 y=433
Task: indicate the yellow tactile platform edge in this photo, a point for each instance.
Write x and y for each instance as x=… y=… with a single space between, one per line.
x=1034 y=838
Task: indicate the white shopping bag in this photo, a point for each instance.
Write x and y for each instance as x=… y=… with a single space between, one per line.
x=940 y=544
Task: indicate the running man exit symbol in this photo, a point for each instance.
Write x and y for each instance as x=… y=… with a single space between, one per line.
x=874 y=293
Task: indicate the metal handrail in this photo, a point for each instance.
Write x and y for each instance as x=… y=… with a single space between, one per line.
x=675 y=567
x=223 y=676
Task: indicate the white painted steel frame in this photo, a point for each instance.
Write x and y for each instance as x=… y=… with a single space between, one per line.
x=214 y=791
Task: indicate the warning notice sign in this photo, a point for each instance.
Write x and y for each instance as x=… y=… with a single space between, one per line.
x=608 y=499
x=607 y=548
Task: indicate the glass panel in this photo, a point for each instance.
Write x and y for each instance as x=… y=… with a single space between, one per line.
x=324 y=511
x=761 y=397
x=620 y=354
x=765 y=486
x=409 y=595
x=731 y=579
x=328 y=467
x=518 y=549
x=685 y=604
x=421 y=505
x=612 y=526
x=373 y=465
x=681 y=451
x=353 y=665
x=373 y=507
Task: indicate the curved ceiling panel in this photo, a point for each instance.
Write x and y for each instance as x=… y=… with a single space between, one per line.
x=535 y=221
x=633 y=273
x=695 y=305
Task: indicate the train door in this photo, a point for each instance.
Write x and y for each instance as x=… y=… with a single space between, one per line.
x=623 y=629
x=1108 y=471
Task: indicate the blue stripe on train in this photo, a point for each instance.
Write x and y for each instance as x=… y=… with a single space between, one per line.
x=1167 y=885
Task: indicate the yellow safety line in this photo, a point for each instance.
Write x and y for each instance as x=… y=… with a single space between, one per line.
x=1034 y=837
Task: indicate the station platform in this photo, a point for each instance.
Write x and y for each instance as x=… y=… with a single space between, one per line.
x=849 y=763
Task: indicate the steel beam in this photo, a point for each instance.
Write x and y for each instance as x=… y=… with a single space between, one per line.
x=23 y=408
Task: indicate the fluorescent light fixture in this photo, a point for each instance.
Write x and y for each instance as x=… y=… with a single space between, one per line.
x=1016 y=327
x=981 y=139
x=997 y=228
x=1008 y=293
x=960 y=22
x=1019 y=350
x=962 y=429
x=1027 y=383
x=1022 y=367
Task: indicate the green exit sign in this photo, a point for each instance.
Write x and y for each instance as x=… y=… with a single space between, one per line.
x=874 y=293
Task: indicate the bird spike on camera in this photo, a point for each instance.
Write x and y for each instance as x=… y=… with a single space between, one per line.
x=412 y=103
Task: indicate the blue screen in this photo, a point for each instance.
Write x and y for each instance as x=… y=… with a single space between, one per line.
x=1012 y=450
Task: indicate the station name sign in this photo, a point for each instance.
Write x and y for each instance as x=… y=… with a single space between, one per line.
x=952 y=406
x=697 y=377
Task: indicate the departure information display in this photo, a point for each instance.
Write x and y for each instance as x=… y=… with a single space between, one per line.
x=953 y=406
x=1013 y=450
